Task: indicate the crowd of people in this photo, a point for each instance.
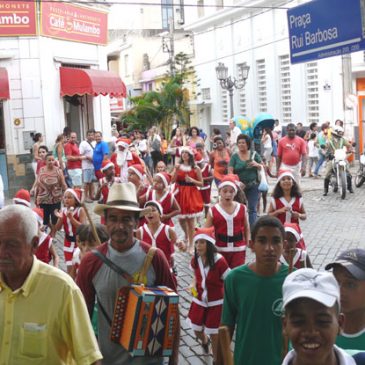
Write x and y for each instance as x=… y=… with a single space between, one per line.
x=141 y=186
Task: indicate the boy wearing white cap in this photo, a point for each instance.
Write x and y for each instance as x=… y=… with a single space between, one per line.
x=312 y=319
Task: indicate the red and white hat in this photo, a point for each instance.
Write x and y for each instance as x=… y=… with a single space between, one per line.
x=186 y=149
x=230 y=180
x=38 y=213
x=198 y=157
x=156 y=203
x=77 y=193
x=204 y=234
x=165 y=177
x=22 y=197
x=124 y=142
x=294 y=229
x=138 y=169
x=283 y=173
x=105 y=165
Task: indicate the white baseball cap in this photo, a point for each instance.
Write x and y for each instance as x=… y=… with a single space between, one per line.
x=320 y=286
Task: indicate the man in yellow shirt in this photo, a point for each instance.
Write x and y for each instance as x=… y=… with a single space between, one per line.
x=43 y=316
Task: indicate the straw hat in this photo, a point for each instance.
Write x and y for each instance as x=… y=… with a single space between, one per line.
x=121 y=196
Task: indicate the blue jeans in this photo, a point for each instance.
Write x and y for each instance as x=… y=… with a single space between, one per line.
x=319 y=163
x=252 y=195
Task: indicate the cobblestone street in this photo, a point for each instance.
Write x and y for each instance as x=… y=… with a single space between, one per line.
x=332 y=226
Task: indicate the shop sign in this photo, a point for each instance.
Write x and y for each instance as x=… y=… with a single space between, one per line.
x=74 y=23
x=17 y=18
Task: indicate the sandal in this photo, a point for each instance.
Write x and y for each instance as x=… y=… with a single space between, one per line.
x=206 y=347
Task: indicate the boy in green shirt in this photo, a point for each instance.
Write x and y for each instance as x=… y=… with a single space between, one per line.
x=253 y=298
x=349 y=271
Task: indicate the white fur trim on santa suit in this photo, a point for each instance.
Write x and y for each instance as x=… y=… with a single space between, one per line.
x=21 y=201
x=155 y=202
x=228 y=183
x=136 y=172
x=38 y=217
x=286 y=173
x=110 y=164
x=122 y=143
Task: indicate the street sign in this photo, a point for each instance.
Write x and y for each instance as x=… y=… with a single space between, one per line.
x=326 y=28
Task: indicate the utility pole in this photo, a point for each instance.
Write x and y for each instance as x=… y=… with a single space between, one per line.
x=172 y=46
x=347 y=90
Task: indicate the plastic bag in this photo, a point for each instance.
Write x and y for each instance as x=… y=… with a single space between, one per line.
x=263 y=186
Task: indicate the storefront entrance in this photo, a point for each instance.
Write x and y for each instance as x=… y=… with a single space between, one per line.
x=360 y=86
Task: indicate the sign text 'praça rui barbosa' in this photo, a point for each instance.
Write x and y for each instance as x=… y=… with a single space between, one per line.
x=326 y=28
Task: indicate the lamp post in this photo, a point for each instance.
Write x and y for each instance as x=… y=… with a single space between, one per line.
x=228 y=84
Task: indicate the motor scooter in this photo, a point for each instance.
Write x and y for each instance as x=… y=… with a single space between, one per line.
x=338 y=178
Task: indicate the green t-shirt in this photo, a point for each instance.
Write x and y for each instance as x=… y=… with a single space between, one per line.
x=351 y=342
x=246 y=174
x=254 y=304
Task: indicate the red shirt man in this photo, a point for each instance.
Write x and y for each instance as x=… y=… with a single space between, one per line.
x=74 y=158
x=292 y=152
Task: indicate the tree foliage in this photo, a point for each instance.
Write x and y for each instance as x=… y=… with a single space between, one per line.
x=165 y=106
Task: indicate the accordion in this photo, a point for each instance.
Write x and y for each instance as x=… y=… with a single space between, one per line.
x=145 y=320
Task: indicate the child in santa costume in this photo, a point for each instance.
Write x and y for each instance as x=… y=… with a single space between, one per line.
x=45 y=251
x=70 y=217
x=123 y=158
x=188 y=178
x=207 y=175
x=136 y=175
x=292 y=255
x=160 y=192
x=156 y=233
x=210 y=269
x=286 y=201
x=229 y=218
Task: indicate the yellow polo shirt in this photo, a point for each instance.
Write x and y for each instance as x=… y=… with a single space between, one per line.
x=45 y=321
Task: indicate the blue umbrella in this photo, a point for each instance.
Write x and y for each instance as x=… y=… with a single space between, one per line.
x=262 y=120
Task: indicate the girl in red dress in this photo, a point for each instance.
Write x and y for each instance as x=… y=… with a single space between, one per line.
x=210 y=269
x=156 y=233
x=286 y=201
x=292 y=255
x=160 y=192
x=229 y=218
x=70 y=217
x=188 y=178
x=207 y=175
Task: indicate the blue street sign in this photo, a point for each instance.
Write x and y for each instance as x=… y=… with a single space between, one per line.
x=326 y=28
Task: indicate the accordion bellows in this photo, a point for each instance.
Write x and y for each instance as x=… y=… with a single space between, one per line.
x=145 y=320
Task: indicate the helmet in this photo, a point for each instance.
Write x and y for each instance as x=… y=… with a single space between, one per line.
x=338 y=130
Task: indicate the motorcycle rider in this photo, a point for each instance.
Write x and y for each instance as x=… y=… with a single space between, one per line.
x=336 y=141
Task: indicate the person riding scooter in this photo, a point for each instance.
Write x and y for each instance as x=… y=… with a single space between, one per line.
x=336 y=141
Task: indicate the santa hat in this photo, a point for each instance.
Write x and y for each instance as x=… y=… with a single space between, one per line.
x=283 y=173
x=294 y=229
x=204 y=234
x=124 y=142
x=138 y=170
x=105 y=165
x=77 y=193
x=231 y=180
x=198 y=157
x=165 y=177
x=38 y=213
x=155 y=203
x=22 y=197
x=186 y=149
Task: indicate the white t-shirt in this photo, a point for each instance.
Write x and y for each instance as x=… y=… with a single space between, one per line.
x=235 y=132
x=88 y=151
x=268 y=142
x=312 y=149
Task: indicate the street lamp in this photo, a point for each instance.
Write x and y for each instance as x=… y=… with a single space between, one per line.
x=228 y=84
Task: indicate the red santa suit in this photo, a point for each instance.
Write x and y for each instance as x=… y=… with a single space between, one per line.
x=229 y=232
x=160 y=239
x=206 y=189
x=70 y=234
x=299 y=259
x=122 y=161
x=42 y=253
x=206 y=308
x=295 y=205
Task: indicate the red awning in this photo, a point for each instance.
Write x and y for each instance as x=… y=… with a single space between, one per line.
x=81 y=81
x=4 y=84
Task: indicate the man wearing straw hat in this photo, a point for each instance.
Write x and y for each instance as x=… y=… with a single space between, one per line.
x=98 y=279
